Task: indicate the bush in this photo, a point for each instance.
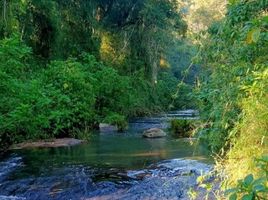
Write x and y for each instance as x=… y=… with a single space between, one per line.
x=141 y=97
x=182 y=128
x=250 y=188
x=172 y=94
x=233 y=93
x=20 y=97
x=117 y=120
x=73 y=106
x=58 y=100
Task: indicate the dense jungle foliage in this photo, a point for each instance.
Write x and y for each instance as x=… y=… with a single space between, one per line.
x=68 y=65
x=234 y=95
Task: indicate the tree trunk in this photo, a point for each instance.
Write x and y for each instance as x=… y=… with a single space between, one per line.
x=154 y=62
x=154 y=71
x=5 y=11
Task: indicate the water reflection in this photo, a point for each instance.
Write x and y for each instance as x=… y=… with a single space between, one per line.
x=114 y=150
x=106 y=151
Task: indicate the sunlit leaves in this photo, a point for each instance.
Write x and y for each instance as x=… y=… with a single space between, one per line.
x=253 y=36
x=235 y=56
x=231 y=2
x=249 y=189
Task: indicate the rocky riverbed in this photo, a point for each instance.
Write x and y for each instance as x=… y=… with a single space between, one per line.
x=169 y=179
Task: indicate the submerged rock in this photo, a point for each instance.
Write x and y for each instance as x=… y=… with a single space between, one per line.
x=154 y=133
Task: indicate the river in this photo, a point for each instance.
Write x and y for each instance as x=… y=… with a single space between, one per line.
x=110 y=166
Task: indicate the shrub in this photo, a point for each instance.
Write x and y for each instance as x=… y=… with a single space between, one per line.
x=250 y=188
x=73 y=107
x=62 y=98
x=116 y=119
x=234 y=90
x=181 y=127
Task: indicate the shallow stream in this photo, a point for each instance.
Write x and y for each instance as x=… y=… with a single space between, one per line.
x=110 y=166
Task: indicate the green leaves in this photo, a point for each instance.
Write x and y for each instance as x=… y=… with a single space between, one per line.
x=259 y=188
x=248 y=179
x=253 y=36
x=14 y=55
x=235 y=56
x=250 y=188
x=232 y=2
x=248 y=197
x=233 y=197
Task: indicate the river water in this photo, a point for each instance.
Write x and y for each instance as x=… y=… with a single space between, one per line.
x=110 y=166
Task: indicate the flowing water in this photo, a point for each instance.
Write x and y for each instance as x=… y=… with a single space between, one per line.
x=110 y=166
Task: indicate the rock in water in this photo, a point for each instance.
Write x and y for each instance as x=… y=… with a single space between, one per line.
x=107 y=128
x=154 y=133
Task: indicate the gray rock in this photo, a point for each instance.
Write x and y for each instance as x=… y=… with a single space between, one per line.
x=107 y=128
x=154 y=133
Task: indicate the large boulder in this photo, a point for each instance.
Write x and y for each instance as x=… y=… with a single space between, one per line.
x=154 y=133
